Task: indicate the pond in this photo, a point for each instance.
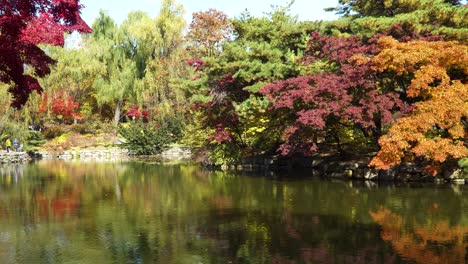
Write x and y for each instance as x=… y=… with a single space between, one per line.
x=131 y=212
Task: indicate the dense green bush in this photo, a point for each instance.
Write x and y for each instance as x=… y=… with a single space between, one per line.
x=34 y=141
x=147 y=138
x=464 y=164
x=225 y=154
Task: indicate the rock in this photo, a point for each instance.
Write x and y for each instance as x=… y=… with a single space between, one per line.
x=454 y=174
x=348 y=173
x=406 y=177
x=439 y=180
x=14 y=157
x=315 y=172
x=268 y=162
x=247 y=167
x=386 y=175
x=370 y=174
x=316 y=162
x=358 y=173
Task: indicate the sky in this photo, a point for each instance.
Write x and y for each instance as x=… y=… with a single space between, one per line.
x=118 y=9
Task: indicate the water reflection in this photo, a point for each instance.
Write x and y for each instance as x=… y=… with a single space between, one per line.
x=56 y=212
x=433 y=242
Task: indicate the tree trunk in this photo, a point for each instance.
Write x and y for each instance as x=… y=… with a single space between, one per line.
x=117 y=113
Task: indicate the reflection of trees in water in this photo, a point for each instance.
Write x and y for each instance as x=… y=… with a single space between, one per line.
x=132 y=212
x=12 y=171
x=433 y=242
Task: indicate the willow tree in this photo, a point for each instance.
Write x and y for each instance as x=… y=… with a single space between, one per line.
x=116 y=79
x=166 y=67
x=140 y=59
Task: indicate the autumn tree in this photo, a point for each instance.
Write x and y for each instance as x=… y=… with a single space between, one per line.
x=226 y=88
x=436 y=130
x=208 y=30
x=74 y=72
x=65 y=108
x=162 y=90
x=339 y=101
x=23 y=26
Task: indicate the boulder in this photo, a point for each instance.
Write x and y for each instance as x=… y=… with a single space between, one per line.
x=370 y=174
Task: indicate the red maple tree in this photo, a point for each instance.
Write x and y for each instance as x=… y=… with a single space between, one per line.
x=65 y=107
x=24 y=24
x=318 y=104
x=136 y=112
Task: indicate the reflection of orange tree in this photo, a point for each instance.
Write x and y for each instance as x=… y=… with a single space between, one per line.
x=434 y=243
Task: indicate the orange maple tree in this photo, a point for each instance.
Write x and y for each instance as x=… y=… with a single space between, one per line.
x=436 y=129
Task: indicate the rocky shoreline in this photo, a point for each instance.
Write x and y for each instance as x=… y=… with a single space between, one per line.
x=352 y=169
x=175 y=153
x=320 y=166
x=14 y=157
x=85 y=154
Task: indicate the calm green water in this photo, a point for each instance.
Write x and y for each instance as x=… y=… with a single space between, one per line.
x=71 y=212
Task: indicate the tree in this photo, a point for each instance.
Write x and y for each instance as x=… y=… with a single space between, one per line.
x=382 y=7
x=162 y=90
x=136 y=113
x=144 y=139
x=436 y=130
x=23 y=26
x=74 y=72
x=115 y=82
x=65 y=108
x=226 y=89
x=343 y=98
x=435 y=17
x=208 y=30
x=141 y=60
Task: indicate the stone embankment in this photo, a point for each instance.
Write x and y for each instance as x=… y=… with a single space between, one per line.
x=334 y=168
x=13 y=157
x=175 y=153
x=96 y=154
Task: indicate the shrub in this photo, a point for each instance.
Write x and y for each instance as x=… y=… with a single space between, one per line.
x=34 y=141
x=464 y=164
x=227 y=153
x=81 y=128
x=143 y=138
x=174 y=126
x=53 y=132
